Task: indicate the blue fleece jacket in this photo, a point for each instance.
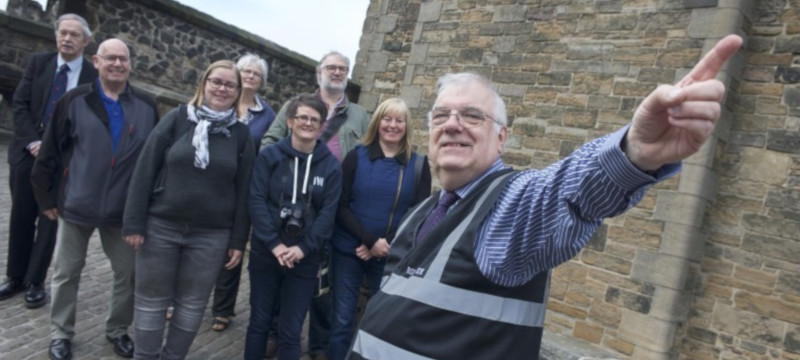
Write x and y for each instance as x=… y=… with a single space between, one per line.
x=272 y=187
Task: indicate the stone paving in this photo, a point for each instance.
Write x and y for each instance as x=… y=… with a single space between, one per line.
x=24 y=333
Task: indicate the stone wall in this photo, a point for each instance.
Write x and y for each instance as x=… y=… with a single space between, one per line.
x=171 y=45
x=14 y=53
x=748 y=284
x=707 y=266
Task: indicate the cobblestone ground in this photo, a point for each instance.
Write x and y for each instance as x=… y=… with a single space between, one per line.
x=24 y=333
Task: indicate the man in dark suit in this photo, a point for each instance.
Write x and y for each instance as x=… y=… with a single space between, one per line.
x=47 y=77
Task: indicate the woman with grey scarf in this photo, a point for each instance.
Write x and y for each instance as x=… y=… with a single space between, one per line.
x=186 y=215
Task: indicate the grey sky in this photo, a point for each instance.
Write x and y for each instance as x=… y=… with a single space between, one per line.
x=309 y=27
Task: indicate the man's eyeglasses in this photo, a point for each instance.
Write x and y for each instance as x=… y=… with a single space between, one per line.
x=308 y=119
x=468 y=117
x=333 y=68
x=249 y=72
x=113 y=58
x=215 y=84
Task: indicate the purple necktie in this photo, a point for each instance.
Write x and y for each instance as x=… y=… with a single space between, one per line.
x=436 y=216
x=58 y=89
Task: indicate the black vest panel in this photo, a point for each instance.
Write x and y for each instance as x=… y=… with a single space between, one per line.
x=436 y=303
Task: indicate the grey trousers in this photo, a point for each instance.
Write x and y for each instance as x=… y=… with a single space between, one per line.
x=176 y=265
x=72 y=240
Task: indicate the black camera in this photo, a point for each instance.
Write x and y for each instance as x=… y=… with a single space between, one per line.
x=292 y=217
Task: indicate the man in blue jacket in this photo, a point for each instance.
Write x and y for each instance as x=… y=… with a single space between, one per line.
x=81 y=178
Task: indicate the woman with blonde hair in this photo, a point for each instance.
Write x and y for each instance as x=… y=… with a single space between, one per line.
x=187 y=214
x=381 y=179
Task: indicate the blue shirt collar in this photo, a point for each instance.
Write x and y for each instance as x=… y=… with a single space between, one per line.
x=465 y=190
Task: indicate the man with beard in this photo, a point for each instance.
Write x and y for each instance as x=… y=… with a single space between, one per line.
x=81 y=177
x=344 y=126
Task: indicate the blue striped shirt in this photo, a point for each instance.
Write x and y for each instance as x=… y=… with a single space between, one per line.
x=545 y=217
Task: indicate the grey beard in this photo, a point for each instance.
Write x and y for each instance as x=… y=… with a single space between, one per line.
x=334 y=87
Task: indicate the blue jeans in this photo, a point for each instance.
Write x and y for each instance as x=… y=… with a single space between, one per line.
x=174 y=266
x=348 y=271
x=292 y=289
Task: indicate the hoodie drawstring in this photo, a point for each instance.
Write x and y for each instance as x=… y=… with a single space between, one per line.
x=305 y=178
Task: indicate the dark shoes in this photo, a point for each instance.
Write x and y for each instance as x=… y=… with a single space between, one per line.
x=10 y=288
x=35 y=297
x=60 y=349
x=123 y=345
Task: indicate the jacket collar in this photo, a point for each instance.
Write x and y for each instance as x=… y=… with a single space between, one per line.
x=340 y=107
x=375 y=152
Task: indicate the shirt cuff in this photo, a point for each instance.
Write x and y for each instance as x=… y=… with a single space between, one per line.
x=37 y=142
x=622 y=171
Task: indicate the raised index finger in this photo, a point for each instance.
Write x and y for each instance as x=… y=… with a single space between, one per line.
x=709 y=65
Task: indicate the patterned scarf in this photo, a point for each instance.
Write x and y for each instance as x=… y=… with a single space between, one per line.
x=208 y=122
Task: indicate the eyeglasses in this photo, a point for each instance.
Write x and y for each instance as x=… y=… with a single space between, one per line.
x=333 y=68
x=468 y=117
x=249 y=72
x=215 y=84
x=308 y=119
x=113 y=58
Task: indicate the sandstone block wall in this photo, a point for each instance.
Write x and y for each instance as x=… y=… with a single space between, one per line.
x=707 y=265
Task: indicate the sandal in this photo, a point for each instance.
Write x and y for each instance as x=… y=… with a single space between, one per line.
x=220 y=323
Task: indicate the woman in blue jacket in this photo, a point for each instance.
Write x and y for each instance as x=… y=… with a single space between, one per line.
x=294 y=193
x=381 y=180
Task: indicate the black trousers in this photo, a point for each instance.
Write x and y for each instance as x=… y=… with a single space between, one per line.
x=225 y=292
x=320 y=318
x=30 y=243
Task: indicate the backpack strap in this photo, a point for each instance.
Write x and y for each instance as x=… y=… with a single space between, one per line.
x=418 y=160
x=242 y=136
x=181 y=124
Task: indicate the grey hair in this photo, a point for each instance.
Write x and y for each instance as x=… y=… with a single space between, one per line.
x=332 y=53
x=251 y=58
x=464 y=78
x=85 y=25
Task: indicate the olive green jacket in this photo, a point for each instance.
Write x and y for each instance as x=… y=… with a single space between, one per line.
x=349 y=134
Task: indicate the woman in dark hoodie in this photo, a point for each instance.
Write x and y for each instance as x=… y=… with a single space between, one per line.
x=294 y=193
